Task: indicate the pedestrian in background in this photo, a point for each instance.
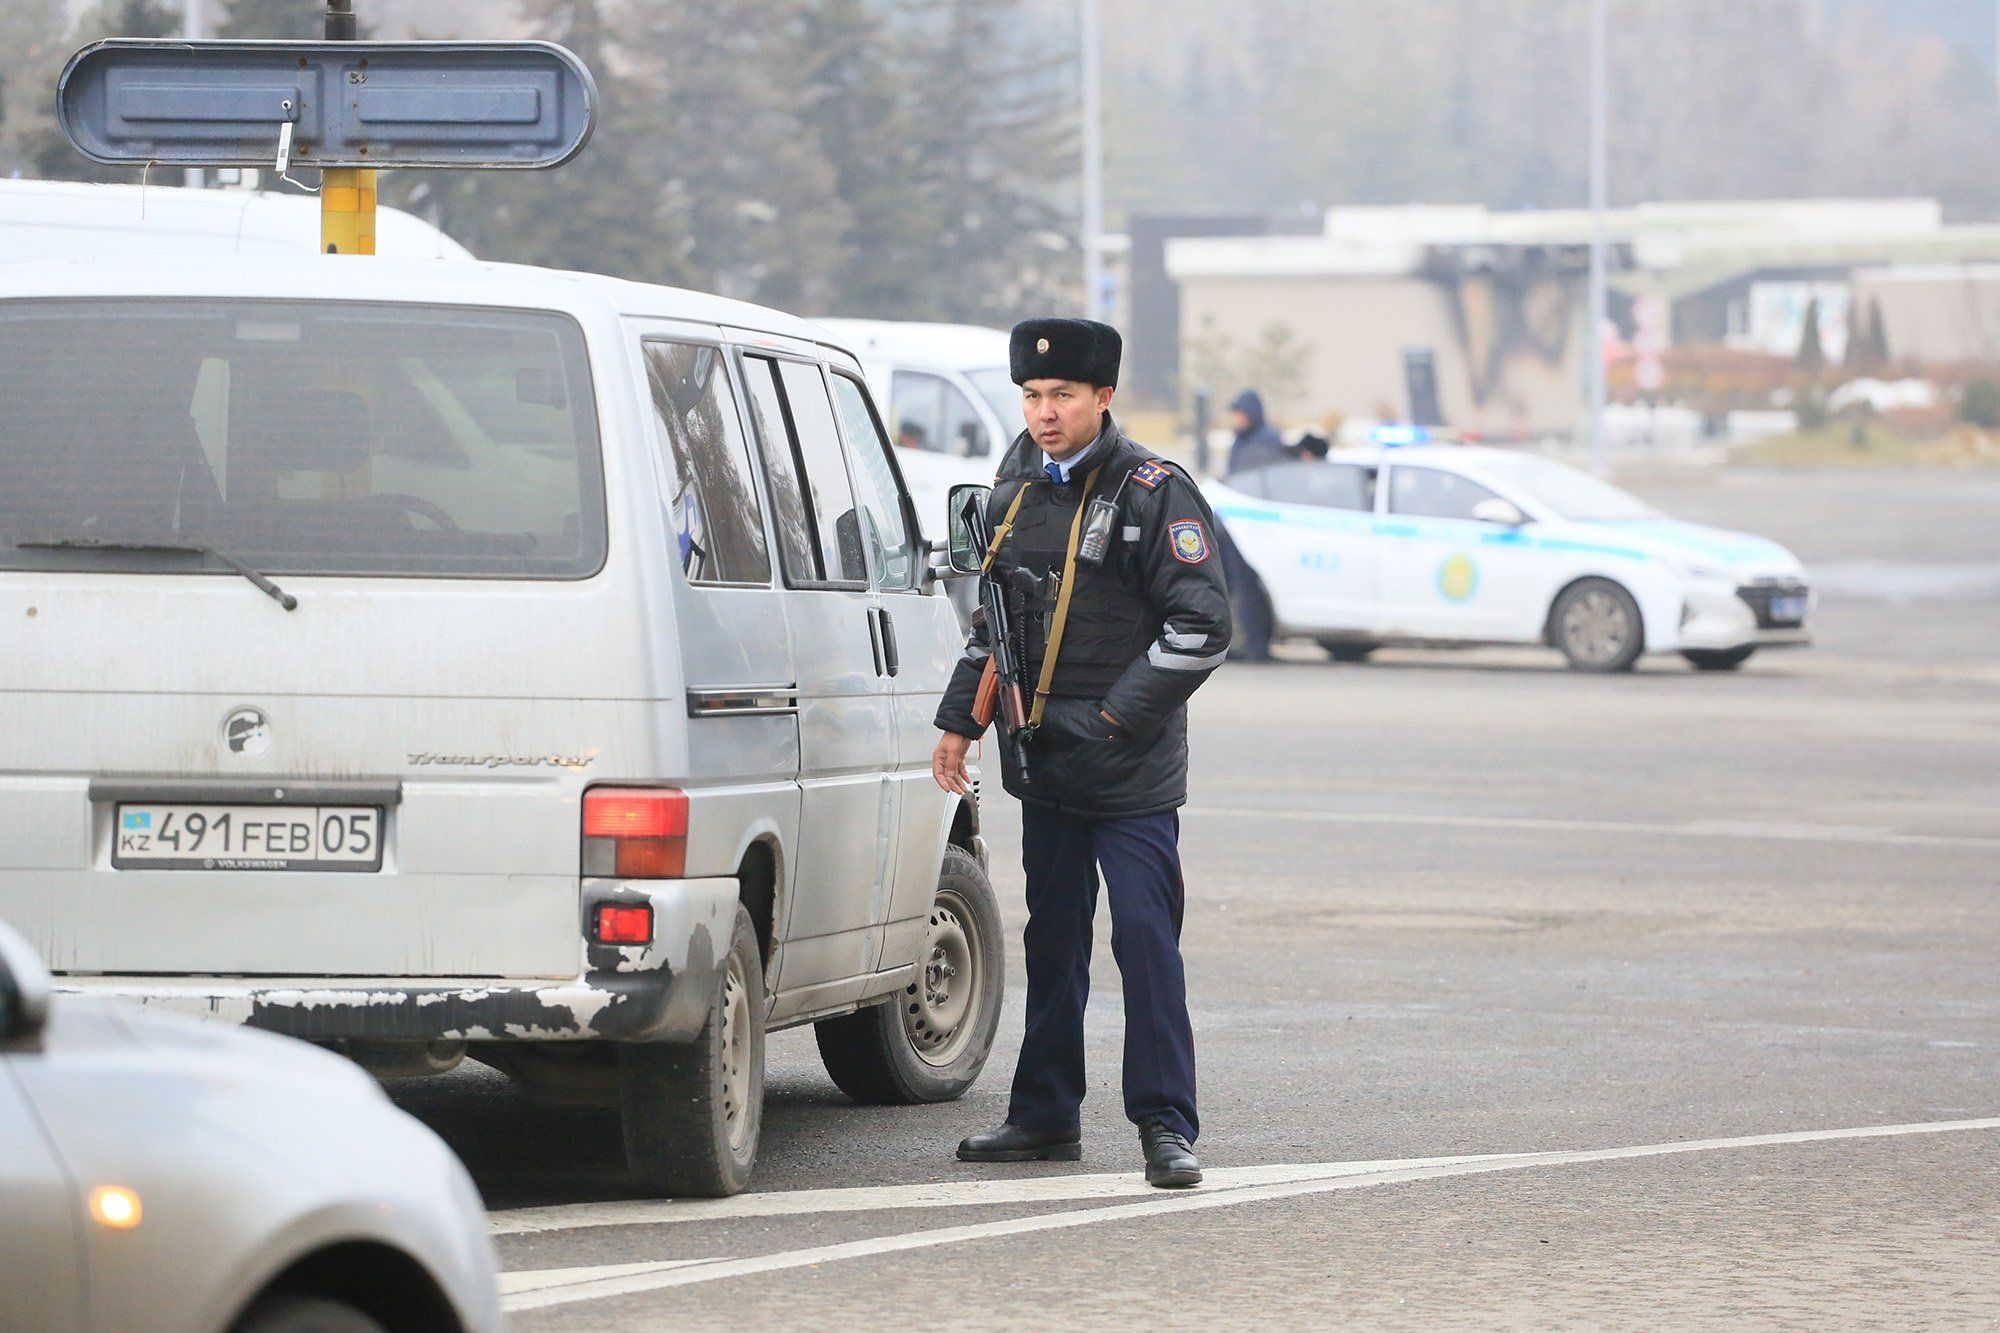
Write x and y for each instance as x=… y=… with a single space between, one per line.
x=1257 y=445
x=1101 y=770
x=1257 y=442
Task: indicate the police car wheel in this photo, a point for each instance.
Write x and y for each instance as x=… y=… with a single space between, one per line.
x=1348 y=650
x=693 y=1111
x=1596 y=624
x=929 y=1041
x=1718 y=659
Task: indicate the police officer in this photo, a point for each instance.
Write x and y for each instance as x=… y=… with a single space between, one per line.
x=1102 y=777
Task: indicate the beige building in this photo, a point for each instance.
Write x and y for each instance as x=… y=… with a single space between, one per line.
x=1499 y=324
x=1495 y=302
x=1936 y=312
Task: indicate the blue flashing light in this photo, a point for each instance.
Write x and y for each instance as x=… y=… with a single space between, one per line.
x=1393 y=437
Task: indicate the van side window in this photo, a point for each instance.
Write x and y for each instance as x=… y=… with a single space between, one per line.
x=918 y=404
x=774 y=437
x=712 y=505
x=890 y=541
x=931 y=413
x=836 y=519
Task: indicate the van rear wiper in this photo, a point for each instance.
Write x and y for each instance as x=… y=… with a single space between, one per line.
x=264 y=585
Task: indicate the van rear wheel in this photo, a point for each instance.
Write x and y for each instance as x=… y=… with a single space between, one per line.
x=929 y=1041
x=692 y=1112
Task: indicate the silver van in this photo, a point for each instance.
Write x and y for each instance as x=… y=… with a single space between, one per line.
x=432 y=659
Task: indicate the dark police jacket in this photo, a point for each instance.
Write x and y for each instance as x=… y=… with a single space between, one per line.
x=1145 y=629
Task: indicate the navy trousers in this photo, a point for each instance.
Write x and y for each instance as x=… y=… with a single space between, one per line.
x=1141 y=862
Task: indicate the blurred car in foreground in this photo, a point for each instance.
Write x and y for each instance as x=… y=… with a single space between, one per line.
x=1465 y=544
x=164 y=1174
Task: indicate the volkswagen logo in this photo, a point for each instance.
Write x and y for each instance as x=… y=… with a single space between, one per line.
x=246 y=733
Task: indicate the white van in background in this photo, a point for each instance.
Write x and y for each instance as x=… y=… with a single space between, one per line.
x=953 y=406
x=70 y=220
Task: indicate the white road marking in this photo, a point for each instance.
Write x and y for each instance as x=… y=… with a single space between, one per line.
x=933 y=1194
x=549 y=1279
x=1706 y=828
x=1316 y=1178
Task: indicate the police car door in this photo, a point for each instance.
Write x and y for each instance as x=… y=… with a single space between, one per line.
x=1445 y=573
x=1312 y=544
x=846 y=736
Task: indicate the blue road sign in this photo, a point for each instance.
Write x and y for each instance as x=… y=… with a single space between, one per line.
x=347 y=104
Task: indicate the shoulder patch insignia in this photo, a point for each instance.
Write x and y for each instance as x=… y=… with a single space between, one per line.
x=1189 y=540
x=1151 y=475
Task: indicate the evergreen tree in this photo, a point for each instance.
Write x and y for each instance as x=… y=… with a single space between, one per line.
x=44 y=150
x=742 y=181
x=1878 y=335
x=277 y=20
x=994 y=143
x=860 y=111
x=1812 y=353
x=595 y=213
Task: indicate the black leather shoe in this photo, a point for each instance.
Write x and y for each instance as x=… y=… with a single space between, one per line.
x=1012 y=1143
x=1170 y=1161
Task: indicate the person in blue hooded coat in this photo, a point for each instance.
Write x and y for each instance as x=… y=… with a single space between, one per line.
x=1257 y=445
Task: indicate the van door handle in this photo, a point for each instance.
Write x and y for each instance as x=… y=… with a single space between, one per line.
x=889 y=653
x=875 y=640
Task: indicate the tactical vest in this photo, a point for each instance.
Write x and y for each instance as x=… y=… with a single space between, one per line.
x=1110 y=625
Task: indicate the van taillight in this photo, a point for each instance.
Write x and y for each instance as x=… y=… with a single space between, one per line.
x=634 y=833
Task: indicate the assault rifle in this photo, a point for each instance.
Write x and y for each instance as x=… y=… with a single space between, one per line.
x=1001 y=688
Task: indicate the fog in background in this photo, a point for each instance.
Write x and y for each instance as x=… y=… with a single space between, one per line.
x=917 y=159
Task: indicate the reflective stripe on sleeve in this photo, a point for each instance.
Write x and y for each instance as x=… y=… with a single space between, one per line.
x=1171 y=661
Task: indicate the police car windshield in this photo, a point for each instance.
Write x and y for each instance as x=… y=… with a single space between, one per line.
x=319 y=437
x=997 y=387
x=1571 y=494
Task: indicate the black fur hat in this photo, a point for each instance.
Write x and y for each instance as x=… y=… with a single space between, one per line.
x=1066 y=349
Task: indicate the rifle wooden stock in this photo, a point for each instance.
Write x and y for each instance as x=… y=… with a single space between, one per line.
x=988 y=697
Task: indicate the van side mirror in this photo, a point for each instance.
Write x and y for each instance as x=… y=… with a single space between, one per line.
x=1495 y=510
x=25 y=987
x=965 y=521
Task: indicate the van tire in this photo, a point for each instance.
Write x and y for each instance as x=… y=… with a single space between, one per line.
x=693 y=1111
x=891 y=1054
x=1597 y=626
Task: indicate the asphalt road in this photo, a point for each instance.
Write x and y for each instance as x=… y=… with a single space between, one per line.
x=1450 y=906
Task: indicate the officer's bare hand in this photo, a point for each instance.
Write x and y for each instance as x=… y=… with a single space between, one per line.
x=948 y=763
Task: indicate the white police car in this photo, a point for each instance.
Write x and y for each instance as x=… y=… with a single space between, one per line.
x=1465 y=544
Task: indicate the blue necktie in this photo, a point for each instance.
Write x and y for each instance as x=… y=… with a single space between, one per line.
x=1055 y=473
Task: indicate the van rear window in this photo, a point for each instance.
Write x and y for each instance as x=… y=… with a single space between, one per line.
x=301 y=438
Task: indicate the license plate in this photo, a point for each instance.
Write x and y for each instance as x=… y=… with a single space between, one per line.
x=247 y=837
x=1788 y=610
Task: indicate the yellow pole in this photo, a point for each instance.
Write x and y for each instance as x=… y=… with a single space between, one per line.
x=347 y=211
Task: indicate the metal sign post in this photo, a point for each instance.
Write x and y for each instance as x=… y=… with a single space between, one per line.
x=346 y=194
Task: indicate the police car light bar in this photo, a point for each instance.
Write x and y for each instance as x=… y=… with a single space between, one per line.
x=1392 y=437
x=519 y=105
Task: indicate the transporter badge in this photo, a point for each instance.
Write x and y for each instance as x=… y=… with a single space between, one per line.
x=246 y=732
